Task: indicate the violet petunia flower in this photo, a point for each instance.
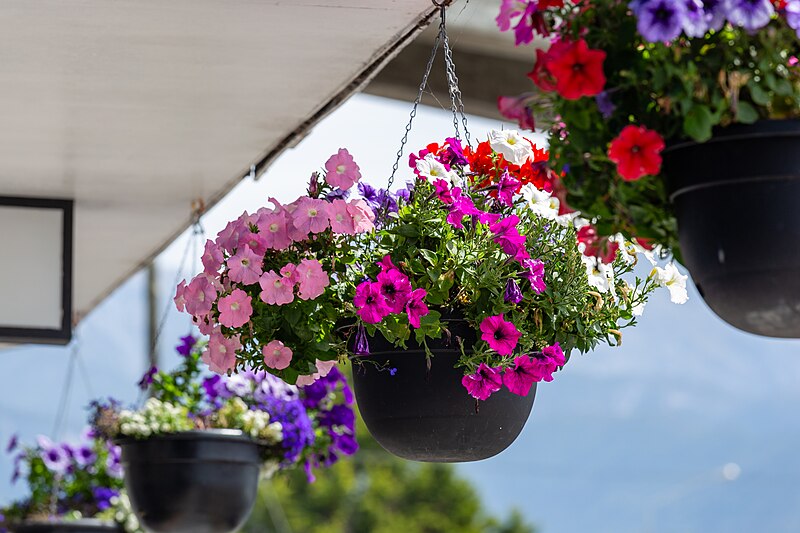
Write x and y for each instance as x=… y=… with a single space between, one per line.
x=749 y=14
x=103 y=497
x=362 y=342
x=604 y=104
x=714 y=12
x=56 y=457
x=84 y=456
x=113 y=463
x=792 y=11
x=186 y=345
x=695 y=23
x=512 y=293
x=147 y=378
x=13 y=442
x=483 y=383
x=659 y=20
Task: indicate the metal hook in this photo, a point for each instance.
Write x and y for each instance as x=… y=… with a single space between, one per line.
x=444 y=3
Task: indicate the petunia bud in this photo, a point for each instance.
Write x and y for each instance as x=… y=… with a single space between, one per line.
x=512 y=295
x=313 y=185
x=362 y=343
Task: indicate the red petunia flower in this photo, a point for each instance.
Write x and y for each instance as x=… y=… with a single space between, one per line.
x=637 y=152
x=578 y=70
x=597 y=246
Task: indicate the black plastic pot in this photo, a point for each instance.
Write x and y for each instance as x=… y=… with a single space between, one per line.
x=737 y=201
x=87 y=525
x=428 y=415
x=192 y=482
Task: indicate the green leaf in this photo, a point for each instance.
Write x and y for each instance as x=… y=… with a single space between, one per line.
x=759 y=95
x=407 y=230
x=698 y=122
x=746 y=113
x=429 y=256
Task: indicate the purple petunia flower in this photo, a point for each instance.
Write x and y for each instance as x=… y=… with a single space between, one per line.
x=103 y=497
x=84 y=456
x=512 y=293
x=659 y=20
x=12 y=443
x=362 y=343
x=186 y=345
x=604 y=104
x=714 y=12
x=113 y=463
x=147 y=378
x=695 y=23
x=338 y=194
x=749 y=14
x=793 y=15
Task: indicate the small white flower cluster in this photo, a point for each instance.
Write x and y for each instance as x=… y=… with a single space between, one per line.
x=123 y=514
x=236 y=415
x=155 y=417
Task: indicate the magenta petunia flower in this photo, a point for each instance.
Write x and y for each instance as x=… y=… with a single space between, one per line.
x=370 y=304
x=556 y=354
x=311 y=216
x=483 y=383
x=273 y=229
x=235 y=309
x=516 y=108
x=462 y=206
x=180 y=298
x=212 y=258
x=220 y=353
x=543 y=366
x=416 y=308
x=520 y=378
x=395 y=288
x=341 y=219
x=245 y=266
x=312 y=278
x=276 y=289
x=507 y=187
x=443 y=191
x=509 y=239
x=200 y=295
x=277 y=355
x=363 y=216
x=255 y=241
x=501 y=335
x=535 y=274
x=386 y=264
x=342 y=170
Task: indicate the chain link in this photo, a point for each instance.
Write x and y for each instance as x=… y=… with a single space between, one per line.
x=457 y=105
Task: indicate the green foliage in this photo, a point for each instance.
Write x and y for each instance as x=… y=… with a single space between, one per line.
x=374 y=492
x=683 y=90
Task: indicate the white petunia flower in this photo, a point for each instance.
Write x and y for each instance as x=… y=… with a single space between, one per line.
x=673 y=280
x=429 y=167
x=512 y=145
x=546 y=205
x=601 y=275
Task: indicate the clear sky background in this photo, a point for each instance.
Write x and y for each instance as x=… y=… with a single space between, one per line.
x=628 y=439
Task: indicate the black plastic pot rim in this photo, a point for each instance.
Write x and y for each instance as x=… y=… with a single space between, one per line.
x=725 y=183
x=738 y=132
x=222 y=434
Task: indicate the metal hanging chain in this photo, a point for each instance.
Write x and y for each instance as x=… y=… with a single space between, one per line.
x=452 y=84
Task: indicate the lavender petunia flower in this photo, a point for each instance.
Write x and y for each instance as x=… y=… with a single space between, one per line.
x=714 y=13
x=793 y=16
x=56 y=457
x=84 y=456
x=604 y=104
x=749 y=14
x=695 y=23
x=337 y=194
x=659 y=20
x=113 y=463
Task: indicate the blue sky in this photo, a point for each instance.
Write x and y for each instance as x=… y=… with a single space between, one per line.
x=628 y=439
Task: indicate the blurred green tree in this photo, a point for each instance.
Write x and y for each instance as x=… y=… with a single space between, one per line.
x=375 y=492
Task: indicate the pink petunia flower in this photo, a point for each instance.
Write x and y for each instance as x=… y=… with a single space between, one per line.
x=462 y=206
x=311 y=216
x=363 y=216
x=235 y=309
x=520 y=378
x=200 y=295
x=306 y=379
x=273 y=229
x=220 y=353
x=370 y=304
x=341 y=219
x=180 y=298
x=203 y=324
x=312 y=278
x=276 y=289
x=501 y=335
x=255 y=241
x=443 y=191
x=245 y=266
x=289 y=271
x=228 y=238
x=277 y=355
x=416 y=308
x=395 y=288
x=342 y=170
x=483 y=383
x=324 y=367
x=516 y=108
x=507 y=187
x=212 y=258
x=556 y=354
x=535 y=274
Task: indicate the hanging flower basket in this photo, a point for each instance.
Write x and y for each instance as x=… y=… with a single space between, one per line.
x=69 y=526
x=712 y=90
x=194 y=453
x=743 y=262
x=195 y=481
x=423 y=397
